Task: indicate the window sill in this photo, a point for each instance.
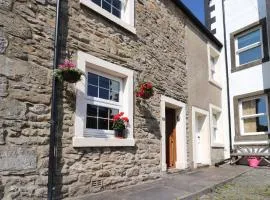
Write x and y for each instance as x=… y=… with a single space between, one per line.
x=102 y=142
x=108 y=15
x=250 y=64
x=255 y=133
x=217 y=145
x=215 y=83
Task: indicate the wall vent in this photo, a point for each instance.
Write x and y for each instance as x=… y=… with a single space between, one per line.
x=97 y=183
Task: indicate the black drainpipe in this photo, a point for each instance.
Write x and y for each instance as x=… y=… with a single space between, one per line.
x=227 y=75
x=53 y=129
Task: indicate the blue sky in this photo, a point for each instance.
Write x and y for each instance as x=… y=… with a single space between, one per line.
x=197 y=7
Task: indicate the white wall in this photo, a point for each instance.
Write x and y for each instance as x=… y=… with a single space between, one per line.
x=218 y=25
x=239 y=14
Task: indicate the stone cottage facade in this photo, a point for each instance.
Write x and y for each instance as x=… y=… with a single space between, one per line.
x=122 y=44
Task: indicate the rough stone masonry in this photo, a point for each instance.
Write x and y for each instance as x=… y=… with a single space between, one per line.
x=156 y=53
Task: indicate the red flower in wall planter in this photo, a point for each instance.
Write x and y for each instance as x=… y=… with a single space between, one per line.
x=145 y=90
x=119 y=125
x=68 y=72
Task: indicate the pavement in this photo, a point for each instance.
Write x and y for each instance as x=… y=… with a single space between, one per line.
x=187 y=186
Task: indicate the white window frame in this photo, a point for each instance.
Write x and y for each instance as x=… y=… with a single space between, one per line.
x=127 y=19
x=220 y=141
x=241 y=117
x=99 y=138
x=212 y=52
x=104 y=103
x=237 y=51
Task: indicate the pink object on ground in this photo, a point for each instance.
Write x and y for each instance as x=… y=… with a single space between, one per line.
x=253 y=161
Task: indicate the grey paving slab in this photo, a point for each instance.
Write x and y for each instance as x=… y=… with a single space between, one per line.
x=174 y=186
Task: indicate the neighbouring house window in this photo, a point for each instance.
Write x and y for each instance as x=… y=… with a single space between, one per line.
x=214 y=66
x=254 y=116
x=216 y=126
x=249 y=46
x=118 y=11
x=106 y=90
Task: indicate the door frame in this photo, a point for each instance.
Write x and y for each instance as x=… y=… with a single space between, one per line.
x=207 y=142
x=181 y=144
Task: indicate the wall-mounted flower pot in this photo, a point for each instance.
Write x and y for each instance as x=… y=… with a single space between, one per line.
x=68 y=72
x=119 y=134
x=145 y=90
x=253 y=161
x=71 y=76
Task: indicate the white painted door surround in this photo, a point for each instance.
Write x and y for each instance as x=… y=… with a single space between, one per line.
x=181 y=146
x=201 y=137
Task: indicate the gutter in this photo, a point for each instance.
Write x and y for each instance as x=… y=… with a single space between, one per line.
x=53 y=128
x=227 y=75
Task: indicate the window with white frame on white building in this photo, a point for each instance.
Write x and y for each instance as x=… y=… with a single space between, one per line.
x=214 y=68
x=106 y=90
x=216 y=126
x=118 y=11
x=249 y=46
x=254 y=118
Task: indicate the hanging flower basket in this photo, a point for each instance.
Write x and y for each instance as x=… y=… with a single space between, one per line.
x=145 y=90
x=68 y=72
x=119 y=125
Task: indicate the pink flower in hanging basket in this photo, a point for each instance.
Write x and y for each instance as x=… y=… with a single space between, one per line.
x=68 y=72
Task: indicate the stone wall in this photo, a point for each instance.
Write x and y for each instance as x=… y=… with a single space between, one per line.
x=156 y=53
x=26 y=52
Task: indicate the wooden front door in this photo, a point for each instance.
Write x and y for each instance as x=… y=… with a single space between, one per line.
x=170 y=138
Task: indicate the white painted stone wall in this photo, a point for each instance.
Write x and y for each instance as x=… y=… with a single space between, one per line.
x=239 y=14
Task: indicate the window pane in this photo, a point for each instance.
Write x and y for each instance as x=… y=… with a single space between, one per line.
x=110 y=125
x=93 y=79
x=215 y=118
x=92 y=91
x=114 y=85
x=215 y=134
x=116 y=12
x=103 y=93
x=91 y=110
x=91 y=122
x=261 y=105
x=113 y=112
x=106 y=6
x=114 y=96
x=98 y=2
x=213 y=62
x=249 y=38
x=250 y=55
x=103 y=112
x=116 y=4
x=104 y=82
x=103 y=124
x=254 y=106
x=256 y=124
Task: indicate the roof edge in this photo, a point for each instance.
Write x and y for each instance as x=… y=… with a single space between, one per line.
x=197 y=22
